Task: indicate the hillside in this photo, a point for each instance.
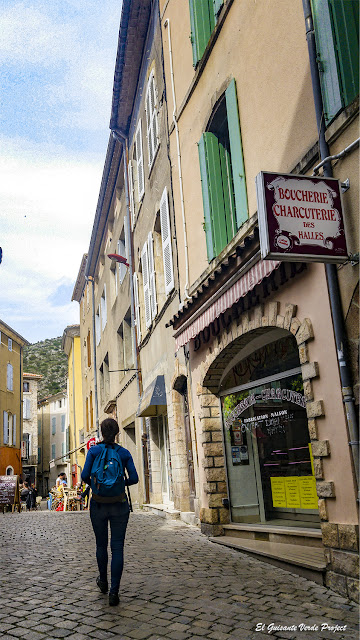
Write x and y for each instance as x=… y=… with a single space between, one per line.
x=47 y=359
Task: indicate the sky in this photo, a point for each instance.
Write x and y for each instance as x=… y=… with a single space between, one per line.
x=57 y=60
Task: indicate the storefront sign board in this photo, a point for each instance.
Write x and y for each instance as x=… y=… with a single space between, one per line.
x=300 y=218
x=9 y=490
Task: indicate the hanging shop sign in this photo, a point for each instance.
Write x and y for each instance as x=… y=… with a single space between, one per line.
x=300 y=218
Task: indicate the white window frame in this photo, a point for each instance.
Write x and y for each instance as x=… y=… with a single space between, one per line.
x=166 y=243
x=151 y=118
x=140 y=161
x=6 y=427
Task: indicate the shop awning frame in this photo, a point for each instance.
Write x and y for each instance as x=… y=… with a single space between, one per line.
x=223 y=299
x=153 y=400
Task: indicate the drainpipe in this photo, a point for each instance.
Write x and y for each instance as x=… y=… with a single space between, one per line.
x=94 y=357
x=186 y=250
x=120 y=137
x=331 y=270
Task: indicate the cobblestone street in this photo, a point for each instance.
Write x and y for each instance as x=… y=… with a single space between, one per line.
x=176 y=585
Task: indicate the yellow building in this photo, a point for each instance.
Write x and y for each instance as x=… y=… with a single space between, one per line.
x=71 y=346
x=11 y=399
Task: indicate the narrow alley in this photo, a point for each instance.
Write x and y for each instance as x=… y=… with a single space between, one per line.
x=176 y=585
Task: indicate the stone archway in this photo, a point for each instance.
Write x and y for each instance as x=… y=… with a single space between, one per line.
x=222 y=350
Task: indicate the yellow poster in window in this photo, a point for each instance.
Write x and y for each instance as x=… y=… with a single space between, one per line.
x=308 y=496
x=292 y=493
x=278 y=492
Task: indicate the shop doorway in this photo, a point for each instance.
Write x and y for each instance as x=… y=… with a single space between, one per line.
x=267 y=444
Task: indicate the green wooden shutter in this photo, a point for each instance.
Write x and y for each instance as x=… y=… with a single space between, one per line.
x=228 y=193
x=208 y=227
x=216 y=194
x=202 y=22
x=237 y=160
x=345 y=14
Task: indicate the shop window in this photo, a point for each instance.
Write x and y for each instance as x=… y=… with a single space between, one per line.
x=267 y=443
x=203 y=17
x=336 y=24
x=223 y=174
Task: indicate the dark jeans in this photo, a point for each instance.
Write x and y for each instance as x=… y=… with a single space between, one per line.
x=118 y=516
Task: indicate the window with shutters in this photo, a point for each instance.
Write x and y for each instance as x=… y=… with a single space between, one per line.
x=63 y=423
x=26 y=409
x=149 y=280
x=53 y=451
x=166 y=241
x=203 y=18
x=222 y=174
x=10 y=377
x=14 y=430
x=131 y=192
x=122 y=250
x=137 y=307
x=5 y=427
x=151 y=119
x=139 y=157
x=97 y=326
x=26 y=387
x=336 y=24
x=103 y=306
x=53 y=425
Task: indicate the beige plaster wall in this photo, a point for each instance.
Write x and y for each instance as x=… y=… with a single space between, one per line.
x=277 y=117
x=309 y=292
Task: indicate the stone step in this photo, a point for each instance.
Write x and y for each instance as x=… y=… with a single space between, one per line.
x=162 y=510
x=305 y=536
x=308 y=562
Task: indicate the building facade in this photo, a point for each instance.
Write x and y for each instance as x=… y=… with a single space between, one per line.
x=53 y=421
x=258 y=336
x=11 y=399
x=30 y=442
x=75 y=423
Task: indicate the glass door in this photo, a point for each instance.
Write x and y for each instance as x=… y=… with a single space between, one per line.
x=268 y=452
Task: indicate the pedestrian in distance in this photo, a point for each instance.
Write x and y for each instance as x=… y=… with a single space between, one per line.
x=61 y=479
x=105 y=468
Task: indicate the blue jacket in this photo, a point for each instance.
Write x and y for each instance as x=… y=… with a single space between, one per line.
x=126 y=460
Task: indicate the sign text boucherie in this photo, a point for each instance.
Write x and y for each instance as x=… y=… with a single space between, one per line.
x=300 y=218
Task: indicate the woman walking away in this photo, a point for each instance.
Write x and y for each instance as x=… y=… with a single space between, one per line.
x=104 y=469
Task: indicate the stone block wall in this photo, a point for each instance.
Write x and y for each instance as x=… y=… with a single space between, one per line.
x=342 y=568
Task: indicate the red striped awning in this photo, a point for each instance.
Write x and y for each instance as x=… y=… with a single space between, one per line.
x=238 y=290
